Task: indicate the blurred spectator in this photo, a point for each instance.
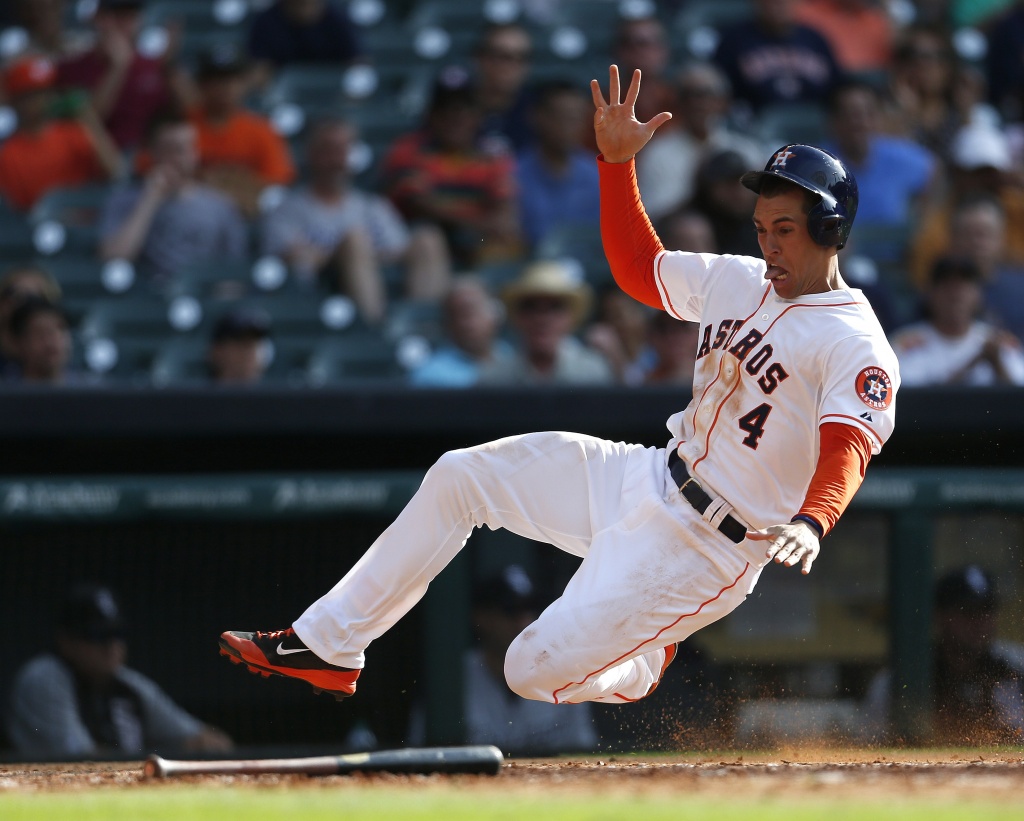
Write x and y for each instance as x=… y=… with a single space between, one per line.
x=44 y=23
x=80 y=700
x=332 y=231
x=981 y=167
x=1005 y=63
x=619 y=333
x=16 y=284
x=953 y=346
x=240 y=153
x=978 y=226
x=170 y=219
x=925 y=107
x=674 y=344
x=860 y=32
x=442 y=175
x=48 y=151
x=472 y=325
x=895 y=175
x=503 y=607
x=127 y=88
x=773 y=59
x=726 y=203
x=642 y=42
x=41 y=341
x=238 y=351
x=556 y=176
x=977 y=686
x=687 y=229
x=546 y=304
x=502 y=59
x=976 y=13
x=666 y=169
x=301 y=31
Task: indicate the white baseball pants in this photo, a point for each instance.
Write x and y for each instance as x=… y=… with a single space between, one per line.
x=653 y=570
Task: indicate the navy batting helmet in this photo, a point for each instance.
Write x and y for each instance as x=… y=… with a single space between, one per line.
x=815 y=170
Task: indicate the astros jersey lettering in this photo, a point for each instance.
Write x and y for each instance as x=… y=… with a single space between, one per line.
x=769 y=371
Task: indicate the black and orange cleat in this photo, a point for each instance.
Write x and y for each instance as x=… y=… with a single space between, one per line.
x=282 y=653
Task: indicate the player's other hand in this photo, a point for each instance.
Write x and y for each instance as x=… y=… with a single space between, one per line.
x=618 y=132
x=790 y=543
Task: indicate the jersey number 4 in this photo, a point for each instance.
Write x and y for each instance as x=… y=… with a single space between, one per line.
x=753 y=424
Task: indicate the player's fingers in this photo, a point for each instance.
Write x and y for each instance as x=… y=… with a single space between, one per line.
x=613 y=84
x=781 y=550
x=597 y=94
x=809 y=557
x=657 y=121
x=634 y=88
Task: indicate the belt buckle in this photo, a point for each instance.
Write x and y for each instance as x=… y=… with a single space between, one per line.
x=689 y=479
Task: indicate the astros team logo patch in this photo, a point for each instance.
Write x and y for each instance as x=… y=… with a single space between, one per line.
x=874 y=388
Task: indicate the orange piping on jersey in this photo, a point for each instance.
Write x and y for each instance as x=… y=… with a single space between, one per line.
x=631 y=653
x=859 y=421
x=718 y=412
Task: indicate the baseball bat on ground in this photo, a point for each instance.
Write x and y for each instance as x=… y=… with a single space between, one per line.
x=480 y=760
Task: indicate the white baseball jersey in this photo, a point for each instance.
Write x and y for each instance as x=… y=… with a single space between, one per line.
x=769 y=371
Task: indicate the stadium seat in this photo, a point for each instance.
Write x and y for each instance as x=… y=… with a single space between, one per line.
x=141 y=316
x=15 y=233
x=414 y=317
x=782 y=123
x=355 y=358
x=67 y=219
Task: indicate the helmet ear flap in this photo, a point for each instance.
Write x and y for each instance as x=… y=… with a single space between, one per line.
x=827 y=227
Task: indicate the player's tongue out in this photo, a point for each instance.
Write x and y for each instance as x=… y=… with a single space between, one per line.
x=775 y=272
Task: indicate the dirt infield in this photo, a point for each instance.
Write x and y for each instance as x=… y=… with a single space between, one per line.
x=996 y=775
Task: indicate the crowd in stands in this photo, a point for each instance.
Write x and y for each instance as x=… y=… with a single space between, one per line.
x=337 y=190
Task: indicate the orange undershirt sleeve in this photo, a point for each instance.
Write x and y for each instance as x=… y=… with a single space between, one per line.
x=843 y=456
x=630 y=242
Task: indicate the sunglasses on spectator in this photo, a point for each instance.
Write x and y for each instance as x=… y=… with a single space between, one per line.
x=541 y=304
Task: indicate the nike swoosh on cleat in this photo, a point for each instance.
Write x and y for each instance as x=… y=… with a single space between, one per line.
x=282 y=652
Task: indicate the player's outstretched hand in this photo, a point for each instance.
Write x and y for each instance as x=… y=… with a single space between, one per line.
x=619 y=133
x=790 y=543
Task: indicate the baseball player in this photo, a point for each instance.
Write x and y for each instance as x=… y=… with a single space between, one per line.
x=794 y=390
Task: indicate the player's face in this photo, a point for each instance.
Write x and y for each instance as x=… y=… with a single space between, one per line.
x=797 y=265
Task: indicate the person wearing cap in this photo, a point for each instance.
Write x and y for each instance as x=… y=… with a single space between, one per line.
x=16 y=284
x=443 y=174
x=503 y=606
x=982 y=165
x=48 y=151
x=80 y=700
x=667 y=169
x=170 y=219
x=127 y=88
x=546 y=305
x=240 y=153
x=977 y=679
x=954 y=345
x=237 y=354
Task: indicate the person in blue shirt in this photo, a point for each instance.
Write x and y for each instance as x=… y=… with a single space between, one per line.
x=472 y=321
x=556 y=175
x=894 y=174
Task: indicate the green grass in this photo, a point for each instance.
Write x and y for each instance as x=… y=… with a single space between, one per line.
x=381 y=803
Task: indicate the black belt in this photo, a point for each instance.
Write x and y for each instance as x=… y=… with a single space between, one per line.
x=698 y=497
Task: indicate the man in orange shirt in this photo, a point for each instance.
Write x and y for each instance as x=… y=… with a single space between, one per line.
x=46 y=152
x=239 y=151
x=859 y=31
